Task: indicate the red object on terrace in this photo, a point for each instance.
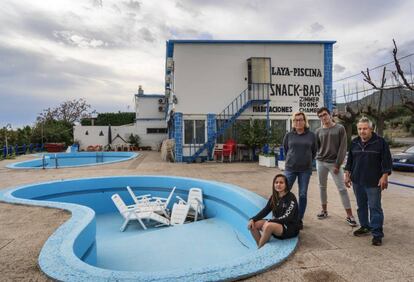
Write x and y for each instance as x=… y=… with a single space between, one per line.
x=55 y=147
x=226 y=150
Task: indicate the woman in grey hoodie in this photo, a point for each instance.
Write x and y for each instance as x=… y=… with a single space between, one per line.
x=300 y=149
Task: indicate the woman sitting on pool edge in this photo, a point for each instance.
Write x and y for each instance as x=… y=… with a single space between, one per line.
x=284 y=207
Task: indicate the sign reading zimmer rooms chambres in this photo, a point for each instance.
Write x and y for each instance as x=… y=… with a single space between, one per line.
x=294 y=89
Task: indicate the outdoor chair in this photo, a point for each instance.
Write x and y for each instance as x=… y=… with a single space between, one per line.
x=133 y=212
x=194 y=203
x=154 y=204
x=227 y=152
x=218 y=151
x=233 y=146
x=179 y=212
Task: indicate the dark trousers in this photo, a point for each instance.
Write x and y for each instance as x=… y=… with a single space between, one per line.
x=369 y=199
x=303 y=183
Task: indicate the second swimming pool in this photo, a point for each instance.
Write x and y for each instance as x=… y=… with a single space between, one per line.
x=61 y=160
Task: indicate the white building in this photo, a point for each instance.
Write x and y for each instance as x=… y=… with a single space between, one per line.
x=211 y=85
x=149 y=125
x=211 y=81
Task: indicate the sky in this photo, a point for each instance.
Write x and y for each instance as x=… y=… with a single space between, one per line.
x=57 y=50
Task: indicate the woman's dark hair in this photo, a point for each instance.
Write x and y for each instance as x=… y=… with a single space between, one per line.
x=275 y=195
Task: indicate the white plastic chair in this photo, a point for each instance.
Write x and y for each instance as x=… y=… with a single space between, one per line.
x=179 y=213
x=139 y=200
x=133 y=212
x=195 y=203
x=155 y=204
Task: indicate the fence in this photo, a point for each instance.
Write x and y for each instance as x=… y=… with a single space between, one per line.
x=21 y=150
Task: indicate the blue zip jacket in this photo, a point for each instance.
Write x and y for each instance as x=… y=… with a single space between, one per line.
x=367 y=162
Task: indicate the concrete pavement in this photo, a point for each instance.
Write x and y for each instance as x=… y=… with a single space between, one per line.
x=327 y=251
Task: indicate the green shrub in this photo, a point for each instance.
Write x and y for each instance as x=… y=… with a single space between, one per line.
x=407 y=121
x=116 y=119
x=134 y=140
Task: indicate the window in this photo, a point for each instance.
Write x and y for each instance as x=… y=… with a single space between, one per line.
x=194 y=131
x=156 y=130
x=314 y=124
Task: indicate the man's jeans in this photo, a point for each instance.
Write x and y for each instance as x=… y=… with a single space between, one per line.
x=303 y=183
x=370 y=198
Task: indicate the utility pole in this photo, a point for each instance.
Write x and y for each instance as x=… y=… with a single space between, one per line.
x=41 y=130
x=5 y=137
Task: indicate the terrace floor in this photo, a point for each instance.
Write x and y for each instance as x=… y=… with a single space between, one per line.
x=327 y=250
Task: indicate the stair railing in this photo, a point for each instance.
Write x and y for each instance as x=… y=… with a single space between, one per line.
x=255 y=93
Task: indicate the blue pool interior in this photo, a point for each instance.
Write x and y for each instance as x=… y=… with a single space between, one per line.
x=218 y=247
x=167 y=248
x=59 y=160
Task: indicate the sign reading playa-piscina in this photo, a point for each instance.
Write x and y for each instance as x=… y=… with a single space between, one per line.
x=294 y=89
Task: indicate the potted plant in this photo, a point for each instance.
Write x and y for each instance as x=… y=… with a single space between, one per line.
x=253 y=134
x=267 y=160
x=268 y=157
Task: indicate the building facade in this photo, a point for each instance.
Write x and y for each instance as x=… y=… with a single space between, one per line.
x=212 y=85
x=149 y=125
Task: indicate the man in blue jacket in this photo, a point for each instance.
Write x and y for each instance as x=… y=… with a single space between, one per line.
x=368 y=166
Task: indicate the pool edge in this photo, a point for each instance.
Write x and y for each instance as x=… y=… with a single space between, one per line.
x=83 y=216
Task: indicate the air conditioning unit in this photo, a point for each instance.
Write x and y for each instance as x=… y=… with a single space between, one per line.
x=168 y=79
x=170 y=64
x=161 y=109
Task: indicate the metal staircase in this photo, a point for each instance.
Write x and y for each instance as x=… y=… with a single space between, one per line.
x=254 y=94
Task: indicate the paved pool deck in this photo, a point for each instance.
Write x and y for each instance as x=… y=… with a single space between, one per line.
x=327 y=250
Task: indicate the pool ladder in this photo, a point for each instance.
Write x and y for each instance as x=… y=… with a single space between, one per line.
x=43 y=161
x=44 y=164
x=56 y=161
x=99 y=157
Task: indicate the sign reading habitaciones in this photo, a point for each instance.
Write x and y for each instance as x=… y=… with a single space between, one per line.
x=288 y=96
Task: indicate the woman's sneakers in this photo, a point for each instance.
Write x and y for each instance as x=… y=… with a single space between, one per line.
x=351 y=221
x=322 y=215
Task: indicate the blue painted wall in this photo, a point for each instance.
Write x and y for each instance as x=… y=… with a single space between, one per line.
x=327 y=76
x=211 y=130
x=178 y=136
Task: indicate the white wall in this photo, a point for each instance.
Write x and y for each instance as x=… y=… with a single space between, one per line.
x=207 y=77
x=93 y=138
x=140 y=128
x=147 y=107
x=154 y=139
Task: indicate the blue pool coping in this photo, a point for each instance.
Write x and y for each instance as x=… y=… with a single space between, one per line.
x=57 y=258
x=128 y=156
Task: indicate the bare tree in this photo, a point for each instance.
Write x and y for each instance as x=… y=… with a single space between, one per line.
x=376 y=111
x=371 y=110
x=68 y=111
x=398 y=74
x=348 y=118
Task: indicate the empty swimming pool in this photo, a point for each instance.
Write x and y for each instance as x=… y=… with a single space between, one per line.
x=61 y=160
x=90 y=246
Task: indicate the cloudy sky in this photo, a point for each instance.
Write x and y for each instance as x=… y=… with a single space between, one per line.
x=101 y=50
